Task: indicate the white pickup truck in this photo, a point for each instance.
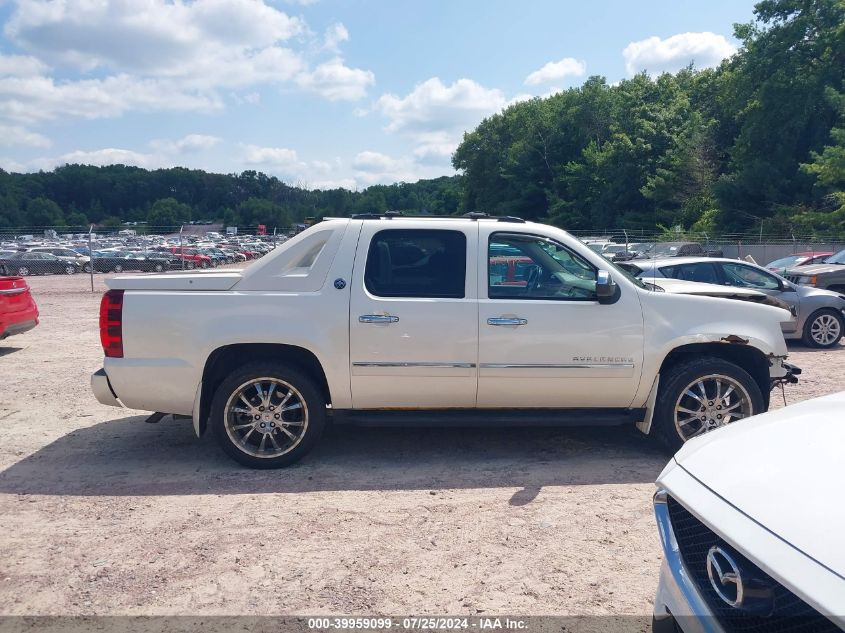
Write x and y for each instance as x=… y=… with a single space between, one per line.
x=409 y=320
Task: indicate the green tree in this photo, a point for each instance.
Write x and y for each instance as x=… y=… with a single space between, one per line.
x=168 y=213
x=43 y=212
x=110 y=222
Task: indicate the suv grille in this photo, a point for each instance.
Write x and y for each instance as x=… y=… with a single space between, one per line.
x=789 y=614
x=796 y=279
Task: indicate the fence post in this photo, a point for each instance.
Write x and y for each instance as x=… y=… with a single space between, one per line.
x=91 y=254
x=181 y=247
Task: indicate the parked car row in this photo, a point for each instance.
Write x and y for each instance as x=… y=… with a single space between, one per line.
x=819 y=314
x=622 y=252
x=150 y=254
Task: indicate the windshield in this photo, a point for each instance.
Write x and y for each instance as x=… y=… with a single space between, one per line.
x=664 y=249
x=839 y=258
x=785 y=261
x=637 y=282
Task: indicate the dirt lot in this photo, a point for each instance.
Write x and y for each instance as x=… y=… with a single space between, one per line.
x=101 y=513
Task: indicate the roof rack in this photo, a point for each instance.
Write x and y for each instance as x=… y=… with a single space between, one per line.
x=474 y=215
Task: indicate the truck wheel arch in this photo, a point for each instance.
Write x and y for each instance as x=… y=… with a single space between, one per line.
x=223 y=360
x=746 y=356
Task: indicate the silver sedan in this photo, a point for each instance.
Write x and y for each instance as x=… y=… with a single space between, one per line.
x=819 y=322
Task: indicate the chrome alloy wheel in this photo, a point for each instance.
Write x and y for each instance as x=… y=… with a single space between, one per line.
x=266 y=417
x=710 y=402
x=825 y=329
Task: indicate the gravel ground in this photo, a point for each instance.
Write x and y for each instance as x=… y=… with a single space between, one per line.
x=104 y=514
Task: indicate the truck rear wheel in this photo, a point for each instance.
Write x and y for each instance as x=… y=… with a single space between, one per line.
x=702 y=394
x=268 y=415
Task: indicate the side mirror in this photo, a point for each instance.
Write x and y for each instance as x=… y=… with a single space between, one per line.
x=606 y=288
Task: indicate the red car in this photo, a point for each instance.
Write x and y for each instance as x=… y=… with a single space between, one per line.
x=191 y=255
x=18 y=312
x=806 y=258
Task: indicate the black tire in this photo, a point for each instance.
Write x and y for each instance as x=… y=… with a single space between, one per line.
x=204 y=264
x=70 y=270
x=674 y=383
x=314 y=412
x=834 y=320
x=159 y=268
x=117 y=268
x=87 y=268
x=23 y=271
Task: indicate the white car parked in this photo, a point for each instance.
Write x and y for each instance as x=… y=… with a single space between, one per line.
x=752 y=520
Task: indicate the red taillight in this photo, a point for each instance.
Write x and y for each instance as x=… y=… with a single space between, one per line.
x=111 y=323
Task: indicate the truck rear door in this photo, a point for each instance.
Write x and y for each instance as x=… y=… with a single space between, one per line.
x=414 y=315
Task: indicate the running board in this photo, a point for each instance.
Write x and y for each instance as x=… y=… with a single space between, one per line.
x=486 y=417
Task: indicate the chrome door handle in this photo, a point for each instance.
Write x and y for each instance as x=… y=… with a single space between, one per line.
x=506 y=321
x=377 y=318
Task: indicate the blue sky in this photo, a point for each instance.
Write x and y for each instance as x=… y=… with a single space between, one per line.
x=320 y=93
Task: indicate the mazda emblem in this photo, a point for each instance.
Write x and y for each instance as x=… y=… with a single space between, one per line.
x=725 y=576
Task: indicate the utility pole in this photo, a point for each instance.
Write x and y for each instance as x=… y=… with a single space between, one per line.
x=91 y=254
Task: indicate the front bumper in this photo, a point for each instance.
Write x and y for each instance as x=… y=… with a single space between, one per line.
x=678 y=604
x=782 y=373
x=102 y=389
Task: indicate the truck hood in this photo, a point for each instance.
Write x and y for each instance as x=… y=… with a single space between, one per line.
x=816 y=269
x=169 y=281
x=784 y=469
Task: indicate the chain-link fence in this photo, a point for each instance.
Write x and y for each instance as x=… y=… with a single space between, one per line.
x=81 y=258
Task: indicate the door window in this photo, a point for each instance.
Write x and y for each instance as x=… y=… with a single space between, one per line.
x=704 y=272
x=417 y=263
x=530 y=267
x=748 y=277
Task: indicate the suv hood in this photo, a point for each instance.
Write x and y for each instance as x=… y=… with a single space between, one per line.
x=683 y=287
x=784 y=469
x=816 y=269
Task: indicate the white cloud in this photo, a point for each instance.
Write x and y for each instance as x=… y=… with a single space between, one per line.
x=376 y=168
x=145 y=36
x=20 y=66
x=435 y=115
x=11 y=165
x=190 y=144
x=335 y=35
x=433 y=106
x=157 y=55
x=16 y=135
x=336 y=81
x=435 y=147
x=279 y=158
x=656 y=55
x=28 y=99
x=106 y=156
x=374 y=162
x=553 y=71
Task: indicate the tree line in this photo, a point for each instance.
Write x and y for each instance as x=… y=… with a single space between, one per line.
x=756 y=144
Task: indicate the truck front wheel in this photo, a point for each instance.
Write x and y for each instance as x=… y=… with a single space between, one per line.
x=267 y=415
x=702 y=394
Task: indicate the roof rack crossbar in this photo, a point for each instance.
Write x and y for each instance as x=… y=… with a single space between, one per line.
x=474 y=215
